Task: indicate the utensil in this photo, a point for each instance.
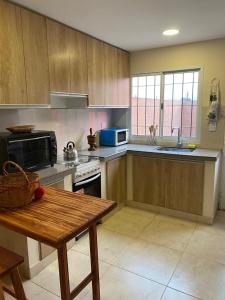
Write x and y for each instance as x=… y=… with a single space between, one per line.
x=70 y=152
x=91 y=140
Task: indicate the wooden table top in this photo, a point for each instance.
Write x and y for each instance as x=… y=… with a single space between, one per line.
x=57 y=217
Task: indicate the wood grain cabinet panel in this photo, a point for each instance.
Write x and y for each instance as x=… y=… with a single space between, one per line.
x=116 y=180
x=123 y=78
x=95 y=55
x=148 y=181
x=77 y=43
x=59 y=62
x=110 y=71
x=12 y=70
x=183 y=185
x=36 y=57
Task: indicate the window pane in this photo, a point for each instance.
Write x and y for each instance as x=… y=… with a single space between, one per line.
x=157 y=79
x=196 y=75
x=150 y=80
x=187 y=93
x=142 y=81
x=178 y=77
x=168 y=78
x=195 y=92
x=141 y=92
x=150 y=92
x=168 y=92
x=134 y=92
x=134 y=116
x=141 y=116
x=188 y=77
x=134 y=81
x=157 y=92
x=177 y=94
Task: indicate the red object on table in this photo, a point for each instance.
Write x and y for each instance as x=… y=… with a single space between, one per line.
x=39 y=193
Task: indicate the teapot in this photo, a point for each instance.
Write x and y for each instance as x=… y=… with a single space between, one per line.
x=70 y=152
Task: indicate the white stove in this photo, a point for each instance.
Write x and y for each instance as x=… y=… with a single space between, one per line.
x=85 y=167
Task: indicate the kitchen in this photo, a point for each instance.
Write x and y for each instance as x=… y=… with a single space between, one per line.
x=156 y=244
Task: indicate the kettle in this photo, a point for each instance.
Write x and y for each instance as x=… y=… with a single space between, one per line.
x=70 y=152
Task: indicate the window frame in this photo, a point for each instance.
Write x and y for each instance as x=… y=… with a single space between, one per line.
x=167 y=139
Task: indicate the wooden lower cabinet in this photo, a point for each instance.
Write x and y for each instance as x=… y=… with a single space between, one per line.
x=173 y=184
x=147 y=181
x=183 y=185
x=117 y=179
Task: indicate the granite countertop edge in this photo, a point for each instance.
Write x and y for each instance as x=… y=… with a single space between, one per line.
x=108 y=153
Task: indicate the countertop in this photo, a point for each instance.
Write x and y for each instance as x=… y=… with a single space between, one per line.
x=52 y=174
x=107 y=153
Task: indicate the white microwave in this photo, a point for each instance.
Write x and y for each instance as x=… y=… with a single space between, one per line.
x=114 y=136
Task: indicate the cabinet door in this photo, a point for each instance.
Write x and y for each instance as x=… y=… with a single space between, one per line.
x=12 y=75
x=78 y=61
x=36 y=57
x=123 y=78
x=59 y=62
x=95 y=53
x=116 y=180
x=183 y=184
x=111 y=65
x=147 y=181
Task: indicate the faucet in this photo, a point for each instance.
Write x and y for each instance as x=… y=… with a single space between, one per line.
x=179 y=143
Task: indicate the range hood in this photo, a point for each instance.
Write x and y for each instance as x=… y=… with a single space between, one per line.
x=68 y=100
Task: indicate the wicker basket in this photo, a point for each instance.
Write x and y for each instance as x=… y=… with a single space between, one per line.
x=17 y=189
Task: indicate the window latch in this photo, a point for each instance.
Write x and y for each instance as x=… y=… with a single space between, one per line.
x=161 y=106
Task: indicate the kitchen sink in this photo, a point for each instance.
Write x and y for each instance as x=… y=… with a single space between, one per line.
x=175 y=149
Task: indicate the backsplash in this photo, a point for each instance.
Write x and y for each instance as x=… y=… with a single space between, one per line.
x=69 y=124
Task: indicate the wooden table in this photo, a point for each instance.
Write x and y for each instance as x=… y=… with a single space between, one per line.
x=55 y=220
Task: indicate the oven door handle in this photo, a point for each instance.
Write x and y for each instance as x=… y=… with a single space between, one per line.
x=88 y=180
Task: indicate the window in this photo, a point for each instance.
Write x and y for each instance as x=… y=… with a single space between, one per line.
x=168 y=99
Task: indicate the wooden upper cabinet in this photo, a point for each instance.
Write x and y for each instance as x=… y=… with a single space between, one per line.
x=95 y=55
x=59 y=62
x=77 y=43
x=123 y=78
x=148 y=186
x=184 y=184
x=12 y=70
x=111 y=66
x=36 y=57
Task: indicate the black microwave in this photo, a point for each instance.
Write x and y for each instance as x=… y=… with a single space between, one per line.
x=32 y=151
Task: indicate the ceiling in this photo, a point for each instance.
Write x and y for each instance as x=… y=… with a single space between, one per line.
x=138 y=24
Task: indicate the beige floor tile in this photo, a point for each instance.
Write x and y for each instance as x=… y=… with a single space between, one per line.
x=110 y=245
x=218 y=226
x=35 y=292
x=118 y=284
x=139 y=212
x=170 y=232
x=200 y=278
x=171 y=294
x=128 y=223
x=79 y=268
x=150 y=261
x=206 y=245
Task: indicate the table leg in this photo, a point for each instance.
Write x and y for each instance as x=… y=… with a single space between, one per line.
x=1 y=292
x=63 y=272
x=94 y=262
x=17 y=284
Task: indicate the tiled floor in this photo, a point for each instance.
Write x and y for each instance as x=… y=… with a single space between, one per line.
x=146 y=256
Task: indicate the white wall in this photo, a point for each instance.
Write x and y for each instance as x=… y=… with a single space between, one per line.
x=67 y=123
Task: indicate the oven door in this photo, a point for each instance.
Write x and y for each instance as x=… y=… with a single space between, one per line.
x=89 y=186
x=31 y=153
